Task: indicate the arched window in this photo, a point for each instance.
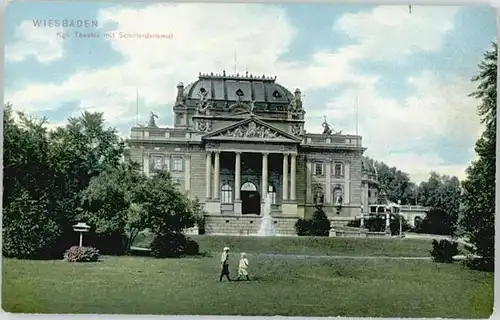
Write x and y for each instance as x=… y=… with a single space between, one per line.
x=226 y=194
x=272 y=192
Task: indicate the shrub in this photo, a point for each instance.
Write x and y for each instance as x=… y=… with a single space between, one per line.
x=192 y=247
x=81 y=254
x=29 y=230
x=444 y=250
x=113 y=243
x=480 y=264
x=354 y=223
x=394 y=225
x=168 y=245
x=302 y=227
x=320 y=225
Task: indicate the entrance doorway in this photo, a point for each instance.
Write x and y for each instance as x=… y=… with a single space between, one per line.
x=250 y=199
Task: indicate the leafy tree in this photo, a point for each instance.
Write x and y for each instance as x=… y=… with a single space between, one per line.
x=107 y=204
x=52 y=169
x=395 y=183
x=168 y=213
x=168 y=210
x=478 y=199
x=29 y=227
x=442 y=194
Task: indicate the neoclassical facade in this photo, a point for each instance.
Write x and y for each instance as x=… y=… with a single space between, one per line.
x=238 y=138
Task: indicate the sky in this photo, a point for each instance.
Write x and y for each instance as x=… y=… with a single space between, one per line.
x=406 y=73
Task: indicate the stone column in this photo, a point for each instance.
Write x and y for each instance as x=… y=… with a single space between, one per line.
x=347 y=182
x=309 y=181
x=208 y=175
x=293 y=177
x=285 y=177
x=187 y=173
x=264 y=175
x=145 y=164
x=216 y=175
x=237 y=176
x=328 y=182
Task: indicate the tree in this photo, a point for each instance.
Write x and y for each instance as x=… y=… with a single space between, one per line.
x=50 y=170
x=108 y=204
x=29 y=227
x=442 y=194
x=81 y=150
x=395 y=183
x=168 y=213
x=478 y=219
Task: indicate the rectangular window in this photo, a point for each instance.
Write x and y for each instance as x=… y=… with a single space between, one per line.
x=177 y=164
x=337 y=170
x=318 y=169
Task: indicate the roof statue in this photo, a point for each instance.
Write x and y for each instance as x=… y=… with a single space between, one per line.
x=252 y=106
x=152 y=118
x=203 y=104
x=326 y=127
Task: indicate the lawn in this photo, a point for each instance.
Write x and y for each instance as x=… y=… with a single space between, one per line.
x=391 y=247
x=284 y=285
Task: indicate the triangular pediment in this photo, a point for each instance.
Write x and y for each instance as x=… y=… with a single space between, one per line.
x=251 y=129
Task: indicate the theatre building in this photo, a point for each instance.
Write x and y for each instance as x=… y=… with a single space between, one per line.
x=238 y=138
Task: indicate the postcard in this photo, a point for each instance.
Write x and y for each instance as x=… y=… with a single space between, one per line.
x=249 y=159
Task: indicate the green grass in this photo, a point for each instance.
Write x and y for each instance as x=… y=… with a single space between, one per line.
x=281 y=285
x=392 y=247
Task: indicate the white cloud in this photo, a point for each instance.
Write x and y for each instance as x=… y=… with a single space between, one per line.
x=390 y=32
x=433 y=112
x=43 y=44
x=206 y=35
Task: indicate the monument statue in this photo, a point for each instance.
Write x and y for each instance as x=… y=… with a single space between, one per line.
x=267 y=225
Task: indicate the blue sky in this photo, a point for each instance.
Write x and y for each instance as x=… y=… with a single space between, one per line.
x=409 y=72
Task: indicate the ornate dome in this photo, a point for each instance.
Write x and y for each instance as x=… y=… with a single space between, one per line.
x=222 y=87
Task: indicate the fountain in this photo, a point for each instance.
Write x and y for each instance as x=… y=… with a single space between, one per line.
x=267 y=225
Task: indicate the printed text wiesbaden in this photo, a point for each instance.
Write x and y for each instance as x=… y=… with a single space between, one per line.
x=65 y=23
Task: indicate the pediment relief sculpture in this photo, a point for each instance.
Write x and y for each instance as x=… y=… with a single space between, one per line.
x=251 y=130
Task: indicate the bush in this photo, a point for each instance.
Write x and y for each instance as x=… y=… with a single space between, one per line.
x=302 y=227
x=480 y=264
x=354 y=223
x=113 y=243
x=192 y=247
x=81 y=254
x=444 y=250
x=168 y=245
x=394 y=225
x=318 y=226
x=29 y=231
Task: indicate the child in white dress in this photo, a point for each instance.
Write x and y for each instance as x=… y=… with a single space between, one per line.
x=243 y=267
